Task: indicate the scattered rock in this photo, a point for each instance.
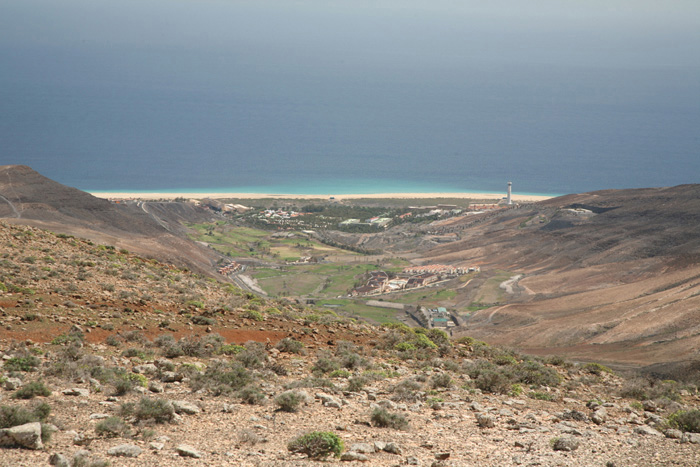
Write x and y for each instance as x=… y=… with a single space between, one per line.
x=393 y=448
x=485 y=420
x=364 y=448
x=647 y=431
x=25 y=436
x=59 y=460
x=125 y=450
x=442 y=456
x=693 y=438
x=599 y=416
x=146 y=369
x=170 y=377
x=12 y=384
x=82 y=392
x=156 y=387
x=566 y=443
x=185 y=450
x=354 y=456
x=185 y=407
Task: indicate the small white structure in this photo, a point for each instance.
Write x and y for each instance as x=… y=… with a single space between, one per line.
x=509 y=201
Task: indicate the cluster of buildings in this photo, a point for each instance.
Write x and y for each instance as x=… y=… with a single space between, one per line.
x=230 y=268
x=375 y=221
x=380 y=282
x=439 y=269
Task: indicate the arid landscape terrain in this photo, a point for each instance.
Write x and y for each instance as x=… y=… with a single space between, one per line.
x=122 y=345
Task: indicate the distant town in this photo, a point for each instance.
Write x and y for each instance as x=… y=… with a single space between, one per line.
x=381 y=282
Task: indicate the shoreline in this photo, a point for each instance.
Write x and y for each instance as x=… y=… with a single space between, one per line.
x=337 y=197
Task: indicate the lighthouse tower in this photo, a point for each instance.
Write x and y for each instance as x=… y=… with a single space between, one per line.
x=509 y=201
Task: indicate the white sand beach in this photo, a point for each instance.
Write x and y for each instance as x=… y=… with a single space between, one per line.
x=170 y=196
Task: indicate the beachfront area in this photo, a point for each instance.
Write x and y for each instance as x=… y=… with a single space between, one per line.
x=169 y=196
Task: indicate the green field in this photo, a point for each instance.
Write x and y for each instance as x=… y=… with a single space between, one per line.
x=425 y=296
x=246 y=242
x=318 y=280
x=362 y=311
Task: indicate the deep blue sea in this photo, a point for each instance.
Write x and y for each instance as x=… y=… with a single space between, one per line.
x=310 y=96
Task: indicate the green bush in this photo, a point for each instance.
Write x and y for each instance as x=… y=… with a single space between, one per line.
x=290 y=345
x=289 y=401
x=384 y=419
x=13 y=415
x=158 y=410
x=222 y=378
x=203 y=321
x=595 y=368
x=325 y=365
x=442 y=380
x=542 y=396
x=536 y=374
x=31 y=390
x=28 y=363
x=494 y=381
x=686 y=420
x=113 y=427
x=254 y=355
x=251 y=395
x=231 y=349
x=357 y=383
x=254 y=315
x=317 y=445
x=407 y=390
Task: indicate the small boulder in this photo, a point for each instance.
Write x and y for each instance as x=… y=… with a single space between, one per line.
x=566 y=443
x=364 y=448
x=185 y=450
x=125 y=450
x=599 y=416
x=354 y=456
x=485 y=420
x=25 y=436
x=82 y=392
x=12 y=384
x=185 y=407
x=393 y=448
x=645 y=430
x=59 y=460
x=146 y=369
x=155 y=386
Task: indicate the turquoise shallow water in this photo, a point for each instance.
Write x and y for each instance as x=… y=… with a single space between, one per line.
x=327 y=187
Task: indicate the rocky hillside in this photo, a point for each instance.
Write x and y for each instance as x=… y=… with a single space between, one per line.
x=28 y=198
x=611 y=275
x=112 y=359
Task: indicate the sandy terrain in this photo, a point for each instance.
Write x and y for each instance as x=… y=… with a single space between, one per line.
x=151 y=196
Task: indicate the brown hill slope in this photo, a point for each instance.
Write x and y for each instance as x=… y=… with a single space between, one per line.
x=610 y=275
x=28 y=198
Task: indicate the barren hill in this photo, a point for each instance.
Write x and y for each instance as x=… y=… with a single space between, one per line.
x=107 y=358
x=28 y=198
x=611 y=274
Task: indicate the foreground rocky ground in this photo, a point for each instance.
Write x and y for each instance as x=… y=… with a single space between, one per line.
x=114 y=360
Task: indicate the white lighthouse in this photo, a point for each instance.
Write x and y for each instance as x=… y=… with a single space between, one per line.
x=509 y=201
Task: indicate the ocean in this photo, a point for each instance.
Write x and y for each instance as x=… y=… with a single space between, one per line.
x=351 y=97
